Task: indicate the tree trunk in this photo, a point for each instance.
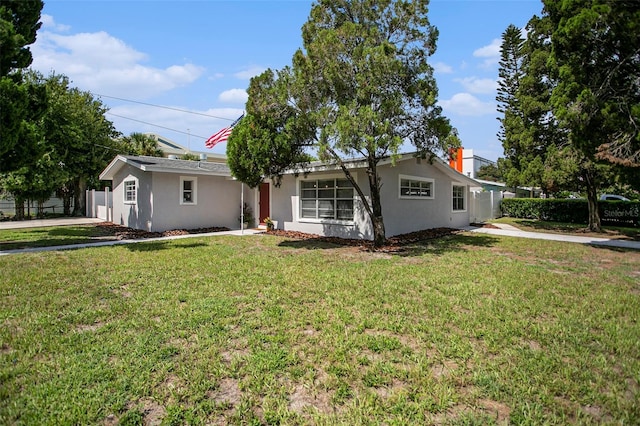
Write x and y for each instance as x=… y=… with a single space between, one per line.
x=66 y=203
x=592 y=201
x=379 y=237
x=40 y=211
x=80 y=186
x=18 y=203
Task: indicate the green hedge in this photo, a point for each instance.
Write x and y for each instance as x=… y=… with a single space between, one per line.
x=570 y=210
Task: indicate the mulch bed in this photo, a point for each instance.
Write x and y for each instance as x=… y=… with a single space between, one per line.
x=393 y=244
x=124 y=233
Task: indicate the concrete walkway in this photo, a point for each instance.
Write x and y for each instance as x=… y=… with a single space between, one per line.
x=512 y=231
x=505 y=230
x=38 y=223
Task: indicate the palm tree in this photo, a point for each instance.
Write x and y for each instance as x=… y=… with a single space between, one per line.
x=141 y=144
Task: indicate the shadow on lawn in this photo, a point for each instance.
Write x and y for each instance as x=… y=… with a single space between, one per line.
x=160 y=245
x=434 y=246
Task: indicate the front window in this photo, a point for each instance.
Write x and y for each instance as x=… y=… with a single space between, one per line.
x=458 y=197
x=326 y=199
x=415 y=187
x=130 y=191
x=188 y=187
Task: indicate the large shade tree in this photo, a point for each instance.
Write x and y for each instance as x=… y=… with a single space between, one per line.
x=75 y=143
x=78 y=136
x=361 y=87
x=595 y=51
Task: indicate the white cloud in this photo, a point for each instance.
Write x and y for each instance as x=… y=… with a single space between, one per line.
x=249 y=72
x=442 y=68
x=478 y=85
x=468 y=105
x=49 y=22
x=490 y=53
x=101 y=63
x=234 y=96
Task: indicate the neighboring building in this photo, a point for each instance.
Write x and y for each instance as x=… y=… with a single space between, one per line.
x=464 y=161
x=175 y=150
x=159 y=194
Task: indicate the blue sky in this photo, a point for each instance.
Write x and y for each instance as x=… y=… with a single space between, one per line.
x=198 y=56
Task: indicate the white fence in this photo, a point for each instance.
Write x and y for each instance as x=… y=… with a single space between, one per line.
x=52 y=205
x=484 y=206
x=100 y=204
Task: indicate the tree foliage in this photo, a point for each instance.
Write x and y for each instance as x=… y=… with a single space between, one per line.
x=21 y=104
x=75 y=142
x=19 y=23
x=274 y=135
x=577 y=100
x=529 y=132
x=362 y=87
x=596 y=55
x=141 y=144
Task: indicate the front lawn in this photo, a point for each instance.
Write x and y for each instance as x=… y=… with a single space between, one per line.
x=467 y=329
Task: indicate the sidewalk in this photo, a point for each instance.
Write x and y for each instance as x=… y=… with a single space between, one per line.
x=38 y=223
x=512 y=231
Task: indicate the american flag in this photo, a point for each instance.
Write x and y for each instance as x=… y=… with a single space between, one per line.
x=222 y=134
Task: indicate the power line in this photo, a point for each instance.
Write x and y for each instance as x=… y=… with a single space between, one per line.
x=156 y=125
x=164 y=107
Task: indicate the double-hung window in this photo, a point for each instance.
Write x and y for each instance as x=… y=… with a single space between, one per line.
x=326 y=199
x=130 y=191
x=458 y=197
x=415 y=187
x=188 y=190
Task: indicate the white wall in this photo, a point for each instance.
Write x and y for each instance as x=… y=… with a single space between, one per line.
x=400 y=215
x=218 y=203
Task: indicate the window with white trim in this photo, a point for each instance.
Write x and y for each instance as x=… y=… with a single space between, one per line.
x=326 y=199
x=188 y=190
x=130 y=191
x=415 y=187
x=459 y=197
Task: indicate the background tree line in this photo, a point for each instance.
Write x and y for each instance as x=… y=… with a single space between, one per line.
x=569 y=94
x=54 y=138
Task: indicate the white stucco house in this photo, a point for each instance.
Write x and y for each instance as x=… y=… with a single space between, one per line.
x=159 y=194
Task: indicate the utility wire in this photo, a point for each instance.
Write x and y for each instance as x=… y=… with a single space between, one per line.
x=156 y=125
x=164 y=107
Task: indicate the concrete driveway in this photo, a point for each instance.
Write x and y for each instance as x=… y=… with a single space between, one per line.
x=38 y=223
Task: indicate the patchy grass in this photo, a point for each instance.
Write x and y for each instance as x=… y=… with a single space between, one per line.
x=615 y=232
x=468 y=329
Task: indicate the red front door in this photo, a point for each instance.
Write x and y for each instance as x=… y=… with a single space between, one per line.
x=264 y=202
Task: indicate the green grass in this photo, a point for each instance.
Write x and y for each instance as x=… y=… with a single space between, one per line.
x=11 y=239
x=467 y=330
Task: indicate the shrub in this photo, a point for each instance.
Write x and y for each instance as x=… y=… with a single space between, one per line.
x=570 y=210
